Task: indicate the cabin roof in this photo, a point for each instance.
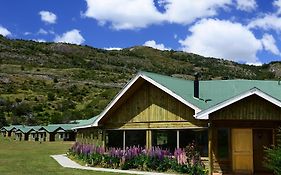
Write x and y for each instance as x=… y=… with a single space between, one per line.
x=213 y=92
x=86 y=123
x=24 y=129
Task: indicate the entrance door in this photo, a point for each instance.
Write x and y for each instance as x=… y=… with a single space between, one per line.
x=242 y=151
x=261 y=138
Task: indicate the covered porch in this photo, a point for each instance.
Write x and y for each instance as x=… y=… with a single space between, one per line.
x=164 y=138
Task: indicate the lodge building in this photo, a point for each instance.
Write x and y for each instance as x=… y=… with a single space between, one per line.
x=230 y=120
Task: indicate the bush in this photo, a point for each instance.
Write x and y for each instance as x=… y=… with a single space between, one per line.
x=273 y=156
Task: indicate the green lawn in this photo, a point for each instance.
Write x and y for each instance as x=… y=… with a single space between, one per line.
x=34 y=158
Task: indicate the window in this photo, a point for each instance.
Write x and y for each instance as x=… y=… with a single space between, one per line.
x=135 y=138
x=166 y=139
x=61 y=135
x=223 y=143
x=115 y=139
x=198 y=136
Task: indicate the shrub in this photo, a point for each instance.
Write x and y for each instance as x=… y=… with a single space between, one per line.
x=273 y=156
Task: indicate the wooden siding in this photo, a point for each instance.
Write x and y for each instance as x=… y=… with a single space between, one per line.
x=219 y=165
x=91 y=136
x=150 y=107
x=250 y=108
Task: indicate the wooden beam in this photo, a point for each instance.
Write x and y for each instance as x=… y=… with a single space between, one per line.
x=178 y=139
x=210 y=149
x=124 y=140
x=148 y=139
x=103 y=138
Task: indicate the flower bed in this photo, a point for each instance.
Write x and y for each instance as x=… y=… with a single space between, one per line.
x=155 y=159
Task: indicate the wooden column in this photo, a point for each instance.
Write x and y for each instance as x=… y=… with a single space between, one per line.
x=210 y=148
x=178 y=139
x=274 y=136
x=148 y=139
x=124 y=140
x=103 y=138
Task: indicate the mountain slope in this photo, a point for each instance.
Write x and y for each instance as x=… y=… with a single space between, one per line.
x=44 y=83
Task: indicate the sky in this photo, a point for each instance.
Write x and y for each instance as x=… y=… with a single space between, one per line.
x=244 y=31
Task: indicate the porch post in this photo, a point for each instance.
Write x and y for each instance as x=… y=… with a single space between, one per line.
x=124 y=140
x=178 y=139
x=103 y=138
x=274 y=136
x=148 y=139
x=210 y=150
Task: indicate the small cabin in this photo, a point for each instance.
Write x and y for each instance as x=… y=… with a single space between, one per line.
x=22 y=133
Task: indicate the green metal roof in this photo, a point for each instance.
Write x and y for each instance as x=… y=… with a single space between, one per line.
x=214 y=92
x=50 y=128
x=9 y=128
x=89 y=121
x=24 y=129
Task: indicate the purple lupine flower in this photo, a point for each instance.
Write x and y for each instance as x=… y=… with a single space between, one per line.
x=86 y=149
x=180 y=155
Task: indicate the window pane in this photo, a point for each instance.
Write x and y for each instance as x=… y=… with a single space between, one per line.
x=115 y=139
x=135 y=138
x=223 y=143
x=199 y=137
x=166 y=139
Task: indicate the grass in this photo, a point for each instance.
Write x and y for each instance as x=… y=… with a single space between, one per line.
x=33 y=158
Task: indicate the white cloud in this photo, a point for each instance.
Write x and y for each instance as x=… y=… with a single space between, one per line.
x=246 y=5
x=135 y=14
x=186 y=11
x=39 y=40
x=72 y=36
x=277 y=3
x=124 y=14
x=27 y=33
x=269 y=21
x=48 y=17
x=42 y=31
x=4 y=31
x=269 y=44
x=222 y=39
x=153 y=44
x=113 y=48
x=254 y=64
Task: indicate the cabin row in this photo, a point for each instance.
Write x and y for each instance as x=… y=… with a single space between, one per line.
x=231 y=121
x=52 y=132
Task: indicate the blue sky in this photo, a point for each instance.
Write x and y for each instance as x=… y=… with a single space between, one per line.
x=245 y=31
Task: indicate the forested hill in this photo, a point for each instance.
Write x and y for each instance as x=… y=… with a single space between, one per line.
x=44 y=83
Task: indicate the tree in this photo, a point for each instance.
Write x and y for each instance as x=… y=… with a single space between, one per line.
x=3 y=121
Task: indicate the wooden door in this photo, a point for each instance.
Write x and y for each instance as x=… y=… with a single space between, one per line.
x=261 y=138
x=242 y=151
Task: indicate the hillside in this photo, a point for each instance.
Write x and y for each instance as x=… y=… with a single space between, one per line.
x=44 y=83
